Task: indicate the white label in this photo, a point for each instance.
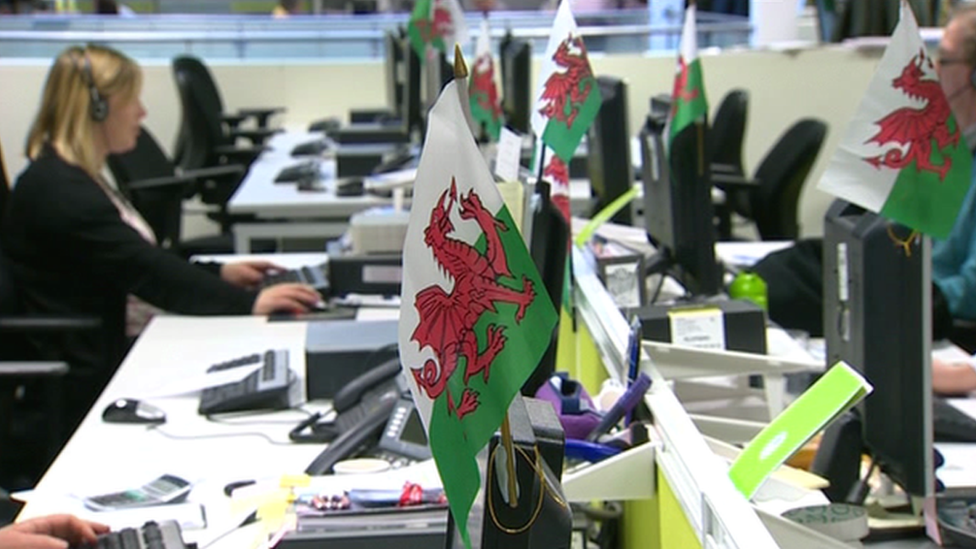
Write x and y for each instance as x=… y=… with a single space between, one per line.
x=842 y=278
x=698 y=328
x=382 y=274
x=509 y=155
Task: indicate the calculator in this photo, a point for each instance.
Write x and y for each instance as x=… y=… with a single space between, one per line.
x=165 y=489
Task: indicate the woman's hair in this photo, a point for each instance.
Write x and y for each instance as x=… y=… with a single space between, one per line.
x=80 y=78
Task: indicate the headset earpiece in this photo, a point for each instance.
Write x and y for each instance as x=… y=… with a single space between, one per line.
x=97 y=105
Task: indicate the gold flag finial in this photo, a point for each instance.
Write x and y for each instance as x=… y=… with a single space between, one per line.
x=460 y=68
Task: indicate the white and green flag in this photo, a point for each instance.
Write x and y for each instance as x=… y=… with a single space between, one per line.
x=475 y=318
x=437 y=23
x=486 y=108
x=569 y=96
x=688 y=103
x=903 y=155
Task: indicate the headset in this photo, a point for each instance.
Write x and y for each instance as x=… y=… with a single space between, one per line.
x=97 y=105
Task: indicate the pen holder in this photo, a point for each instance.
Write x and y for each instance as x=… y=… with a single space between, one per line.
x=572 y=404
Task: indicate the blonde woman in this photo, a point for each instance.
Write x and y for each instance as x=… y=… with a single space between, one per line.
x=76 y=246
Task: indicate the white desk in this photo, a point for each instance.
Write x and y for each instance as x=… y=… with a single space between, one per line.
x=283 y=210
x=102 y=456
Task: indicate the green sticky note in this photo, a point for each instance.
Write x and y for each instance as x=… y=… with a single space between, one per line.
x=835 y=392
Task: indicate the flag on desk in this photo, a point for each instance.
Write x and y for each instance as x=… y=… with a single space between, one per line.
x=475 y=317
x=569 y=97
x=903 y=155
x=688 y=103
x=486 y=108
x=437 y=23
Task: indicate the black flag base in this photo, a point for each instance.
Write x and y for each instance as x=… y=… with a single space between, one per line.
x=542 y=518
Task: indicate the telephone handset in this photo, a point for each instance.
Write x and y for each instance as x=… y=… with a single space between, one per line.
x=363 y=407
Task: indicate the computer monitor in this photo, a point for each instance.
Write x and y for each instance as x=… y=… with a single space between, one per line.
x=877 y=318
x=437 y=73
x=549 y=248
x=678 y=207
x=608 y=146
x=392 y=63
x=410 y=107
x=516 y=66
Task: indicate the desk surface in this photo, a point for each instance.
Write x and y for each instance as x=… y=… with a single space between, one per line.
x=102 y=457
x=258 y=194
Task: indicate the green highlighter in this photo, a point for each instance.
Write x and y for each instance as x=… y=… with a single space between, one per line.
x=834 y=393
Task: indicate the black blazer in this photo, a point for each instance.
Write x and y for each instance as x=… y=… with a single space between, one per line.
x=71 y=253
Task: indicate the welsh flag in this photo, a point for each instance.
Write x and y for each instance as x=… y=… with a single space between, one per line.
x=485 y=105
x=569 y=97
x=556 y=172
x=438 y=23
x=688 y=102
x=475 y=318
x=903 y=155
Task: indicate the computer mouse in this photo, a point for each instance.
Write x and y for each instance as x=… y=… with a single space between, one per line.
x=130 y=410
x=350 y=187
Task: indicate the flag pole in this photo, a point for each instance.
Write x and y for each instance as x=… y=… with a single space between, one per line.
x=461 y=77
x=461 y=74
x=509 y=462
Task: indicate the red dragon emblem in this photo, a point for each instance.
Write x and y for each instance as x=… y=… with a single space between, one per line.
x=910 y=129
x=565 y=92
x=447 y=320
x=558 y=172
x=439 y=25
x=483 y=82
x=681 y=91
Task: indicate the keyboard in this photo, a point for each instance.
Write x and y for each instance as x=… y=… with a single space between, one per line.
x=264 y=389
x=957 y=520
x=316 y=276
x=151 y=535
x=304 y=171
x=950 y=424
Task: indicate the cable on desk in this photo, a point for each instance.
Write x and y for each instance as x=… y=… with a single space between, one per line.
x=225 y=418
x=250 y=519
x=268 y=439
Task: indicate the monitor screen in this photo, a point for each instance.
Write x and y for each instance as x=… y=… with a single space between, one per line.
x=549 y=247
x=678 y=207
x=516 y=67
x=410 y=108
x=608 y=146
x=437 y=73
x=877 y=318
x=392 y=63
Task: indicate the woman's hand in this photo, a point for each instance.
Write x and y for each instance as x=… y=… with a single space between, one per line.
x=952 y=378
x=50 y=532
x=297 y=298
x=247 y=274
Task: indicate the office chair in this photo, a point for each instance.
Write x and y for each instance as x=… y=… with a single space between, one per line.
x=208 y=95
x=31 y=391
x=205 y=144
x=158 y=189
x=771 y=202
x=726 y=137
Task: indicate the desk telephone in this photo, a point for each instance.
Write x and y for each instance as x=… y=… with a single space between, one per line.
x=374 y=417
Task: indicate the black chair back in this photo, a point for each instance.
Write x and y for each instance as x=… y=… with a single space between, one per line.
x=728 y=130
x=781 y=175
x=162 y=206
x=201 y=128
